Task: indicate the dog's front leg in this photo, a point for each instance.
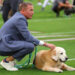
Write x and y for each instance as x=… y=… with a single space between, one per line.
x=47 y=68
x=66 y=67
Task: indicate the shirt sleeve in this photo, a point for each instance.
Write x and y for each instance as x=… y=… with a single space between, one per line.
x=23 y=30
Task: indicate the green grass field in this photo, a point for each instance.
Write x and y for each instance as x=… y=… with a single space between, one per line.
x=48 y=27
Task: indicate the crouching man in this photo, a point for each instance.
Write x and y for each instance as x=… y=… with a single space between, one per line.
x=63 y=5
x=15 y=39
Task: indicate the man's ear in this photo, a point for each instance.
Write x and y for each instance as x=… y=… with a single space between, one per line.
x=23 y=9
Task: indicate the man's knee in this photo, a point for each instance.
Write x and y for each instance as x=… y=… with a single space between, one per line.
x=31 y=47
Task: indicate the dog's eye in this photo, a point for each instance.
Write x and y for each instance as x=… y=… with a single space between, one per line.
x=61 y=53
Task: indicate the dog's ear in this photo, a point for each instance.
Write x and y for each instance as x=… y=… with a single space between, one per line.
x=55 y=58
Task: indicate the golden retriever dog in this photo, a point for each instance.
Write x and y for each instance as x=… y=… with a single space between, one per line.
x=52 y=60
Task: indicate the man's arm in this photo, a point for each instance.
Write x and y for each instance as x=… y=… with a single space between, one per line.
x=51 y=46
x=67 y=4
x=22 y=28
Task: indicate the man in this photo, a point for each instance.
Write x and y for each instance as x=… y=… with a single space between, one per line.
x=15 y=38
x=73 y=2
x=61 y=5
x=9 y=5
x=46 y=2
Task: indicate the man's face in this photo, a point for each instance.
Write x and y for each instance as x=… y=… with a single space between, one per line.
x=29 y=11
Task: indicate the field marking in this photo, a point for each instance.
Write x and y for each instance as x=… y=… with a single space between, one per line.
x=41 y=33
x=59 y=39
x=71 y=59
x=35 y=32
x=43 y=36
x=51 y=19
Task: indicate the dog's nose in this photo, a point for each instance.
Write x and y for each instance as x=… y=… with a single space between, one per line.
x=66 y=58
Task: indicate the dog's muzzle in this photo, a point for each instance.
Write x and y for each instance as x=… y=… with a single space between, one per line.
x=64 y=60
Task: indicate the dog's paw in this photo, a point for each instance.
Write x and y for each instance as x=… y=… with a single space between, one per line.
x=72 y=69
x=59 y=71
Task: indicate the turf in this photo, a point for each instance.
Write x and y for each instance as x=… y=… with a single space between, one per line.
x=47 y=24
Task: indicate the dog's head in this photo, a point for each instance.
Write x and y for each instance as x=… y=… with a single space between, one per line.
x=60 y=54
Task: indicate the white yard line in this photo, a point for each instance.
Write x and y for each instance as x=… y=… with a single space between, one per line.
x=63 y=33
x=51 y=19
x=44 y=36
x=34 y=32
x=59 y=39
x=71 y=59
x=59 y=33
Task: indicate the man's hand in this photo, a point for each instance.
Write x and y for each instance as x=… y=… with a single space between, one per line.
x=70 y=6
x=1 y=1
x=52 y=46
x=67 y=5
x=42 y=43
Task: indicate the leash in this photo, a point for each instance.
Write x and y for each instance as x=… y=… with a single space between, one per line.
x=27 y=62
x=33 y=65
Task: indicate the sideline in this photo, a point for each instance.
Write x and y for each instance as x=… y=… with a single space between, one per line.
x=59 y=39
